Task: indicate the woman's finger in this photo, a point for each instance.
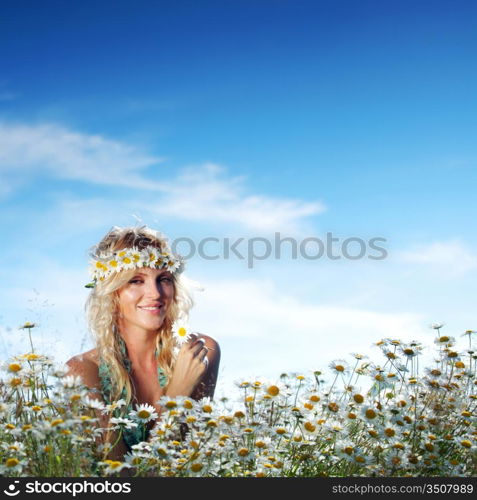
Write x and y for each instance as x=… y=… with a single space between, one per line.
x=198 y=346
x=203 y=353
x=193 y=337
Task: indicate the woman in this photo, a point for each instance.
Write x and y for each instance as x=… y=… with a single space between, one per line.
x=135 y=309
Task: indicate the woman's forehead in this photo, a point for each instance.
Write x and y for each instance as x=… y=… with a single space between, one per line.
x=147 y=271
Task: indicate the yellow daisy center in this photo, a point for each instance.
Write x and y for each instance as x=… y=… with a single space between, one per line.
x=273 y=390
x=309 y=427
x=358 y=398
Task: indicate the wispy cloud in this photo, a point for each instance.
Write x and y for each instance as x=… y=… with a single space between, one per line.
x=449 y=257
x=202 y=193
x=49 y=149
x=205 y=193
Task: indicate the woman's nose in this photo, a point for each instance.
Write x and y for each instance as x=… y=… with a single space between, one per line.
x=154 y=289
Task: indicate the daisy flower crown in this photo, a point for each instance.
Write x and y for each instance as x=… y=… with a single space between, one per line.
x=108 y=263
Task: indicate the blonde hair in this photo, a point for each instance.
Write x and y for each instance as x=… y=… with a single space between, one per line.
x=102 y=307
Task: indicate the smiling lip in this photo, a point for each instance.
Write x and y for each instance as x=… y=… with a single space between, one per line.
x=155 y=309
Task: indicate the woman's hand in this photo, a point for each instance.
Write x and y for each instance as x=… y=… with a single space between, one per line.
x=190 y=366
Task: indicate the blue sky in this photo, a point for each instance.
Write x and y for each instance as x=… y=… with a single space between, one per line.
x=242 y=119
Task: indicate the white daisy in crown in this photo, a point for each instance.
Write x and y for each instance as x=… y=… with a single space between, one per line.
x=174 y=264
x=136 y=256
x=106 y=264
x=125 y=259
x=152 y=257
x=98 y=268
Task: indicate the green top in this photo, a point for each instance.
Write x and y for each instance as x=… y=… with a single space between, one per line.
x=139 y=433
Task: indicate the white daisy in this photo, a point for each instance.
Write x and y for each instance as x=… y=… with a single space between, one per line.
x=15 y=447
x=136 y=256
x=122 y=423
x=72 y=382
x=5 y=407
x=125 y=259
x=114 y=466
x=181 y=332
x=150 y=256
x=144 y=413
x=114 y=405
x=11 y=465
x=173 y=263
x=310 y=428
x=94 y=403
x=98 y=268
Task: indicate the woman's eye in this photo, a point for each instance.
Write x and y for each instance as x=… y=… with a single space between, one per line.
x=167 y=280
x=135 y=281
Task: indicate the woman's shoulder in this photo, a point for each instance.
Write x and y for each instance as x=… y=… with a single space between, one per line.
x=87 y=358
x=86 y=366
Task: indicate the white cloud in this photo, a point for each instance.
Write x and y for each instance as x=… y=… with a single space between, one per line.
x=448 y=257
x=204 y=193
x=55 y=150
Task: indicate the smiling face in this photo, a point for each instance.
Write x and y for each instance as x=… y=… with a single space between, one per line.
x=145 y=299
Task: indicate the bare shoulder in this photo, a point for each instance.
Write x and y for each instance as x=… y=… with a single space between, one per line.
x=85 y=365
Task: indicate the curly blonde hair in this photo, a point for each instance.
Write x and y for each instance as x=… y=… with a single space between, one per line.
x=102 y=307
